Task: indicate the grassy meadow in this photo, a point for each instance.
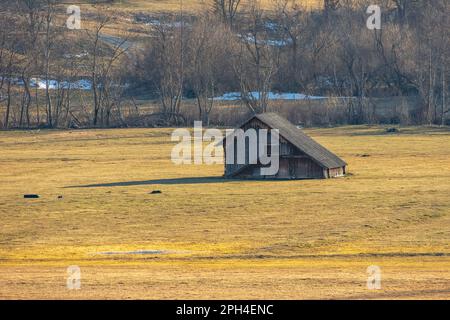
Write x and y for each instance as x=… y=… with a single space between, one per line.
x=124 y=11
x=222 y=238
x=195 y=5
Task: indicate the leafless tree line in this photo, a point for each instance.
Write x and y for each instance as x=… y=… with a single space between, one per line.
x=44 y=65
x=292 y=49
x=230 y=47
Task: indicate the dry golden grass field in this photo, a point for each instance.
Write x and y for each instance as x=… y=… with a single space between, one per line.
x=222 y=239
x=195 y=5
x=123 y=24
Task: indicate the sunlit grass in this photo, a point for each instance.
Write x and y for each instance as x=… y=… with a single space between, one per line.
x=392 y=209
x=195 y=5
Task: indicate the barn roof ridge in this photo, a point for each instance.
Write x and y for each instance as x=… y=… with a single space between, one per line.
x=300 y=140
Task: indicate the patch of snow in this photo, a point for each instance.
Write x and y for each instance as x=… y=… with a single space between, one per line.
x=153 y=22
x=14 y=81
x=159 y=23
x=55 y=84
x=270 y=42
x=271 y=26
x=134 y=252
x=79 y=55
x=234 y=96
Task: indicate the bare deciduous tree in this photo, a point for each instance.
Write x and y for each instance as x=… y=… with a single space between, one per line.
x=207 y=50
x=227 y=10
x=165 y=59
x=105 y=50
x=255 y=61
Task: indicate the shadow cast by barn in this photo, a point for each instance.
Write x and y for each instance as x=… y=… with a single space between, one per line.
x=191 y=180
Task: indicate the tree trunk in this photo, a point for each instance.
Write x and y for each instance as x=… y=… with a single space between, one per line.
x=38 y=120
x=443 y=97
x=8 y=105
x=27 y=100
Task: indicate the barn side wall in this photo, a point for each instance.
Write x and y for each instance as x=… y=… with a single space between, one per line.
x=299 y=168
x=290 y=168
x=336 y=172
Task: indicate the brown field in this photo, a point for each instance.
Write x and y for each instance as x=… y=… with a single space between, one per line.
x=195 y=5
x=123 y=24
x=220 y=238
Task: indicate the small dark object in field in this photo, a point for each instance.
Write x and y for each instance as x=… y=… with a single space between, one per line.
x=60 y=197
x=156 y=192
x=392 y=130
x=31 y=196
x=363 y=155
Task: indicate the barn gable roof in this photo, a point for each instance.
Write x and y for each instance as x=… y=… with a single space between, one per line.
x=300 y=140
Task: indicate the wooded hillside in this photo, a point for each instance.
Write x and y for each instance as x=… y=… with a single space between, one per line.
x=189 y=64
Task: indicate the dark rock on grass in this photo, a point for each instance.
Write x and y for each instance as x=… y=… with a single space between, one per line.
x=156 y=192
x=31 y=196
x=392 y=130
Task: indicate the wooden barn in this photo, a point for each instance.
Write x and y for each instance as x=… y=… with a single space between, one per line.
x=300 y=156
